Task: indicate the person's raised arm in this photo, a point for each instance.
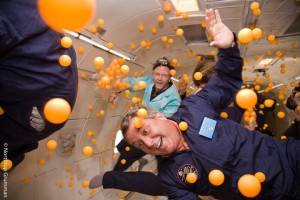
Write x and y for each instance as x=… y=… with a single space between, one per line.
x=223 y=85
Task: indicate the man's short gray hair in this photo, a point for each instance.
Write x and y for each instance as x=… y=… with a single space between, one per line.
x=131 y=113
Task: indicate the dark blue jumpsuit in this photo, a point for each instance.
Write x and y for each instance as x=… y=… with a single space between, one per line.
x=231 y=148
x=30 y=75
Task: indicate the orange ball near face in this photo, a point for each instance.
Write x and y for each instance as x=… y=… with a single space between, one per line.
x=57 y=110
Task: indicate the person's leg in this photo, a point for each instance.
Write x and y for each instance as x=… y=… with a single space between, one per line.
x=142 y=182
x=130 y=156
x=17 y=135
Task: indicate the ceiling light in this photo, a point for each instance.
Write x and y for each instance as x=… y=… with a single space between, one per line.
x=96 y=44
x=186 y=5
x=265 y=61
x=275 y=86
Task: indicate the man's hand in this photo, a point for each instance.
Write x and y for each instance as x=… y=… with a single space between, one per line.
x=222 y=36
x=297 y=114
x=113 y=97
x=182 y=86
x=36 y=120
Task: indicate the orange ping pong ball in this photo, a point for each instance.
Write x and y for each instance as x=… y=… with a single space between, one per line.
x=198 y=76
x=85 y=184
x=179 y=32
x=87 y=150
x=137 y=122
x=66 y=42
x=281 y=114
x=191 y=177
x=245 y=35
x=67 y=14
x=51 y=144
x=260 y=176
x=57 y=110
x=183 y=126
x=142 y=113
x=216 y=177
x=124 y=69
x=246 y=98
x=172 y=72
x=6 y=165
x=65 y=60
x=123 y=161
x=249 y=185
x=269 y=102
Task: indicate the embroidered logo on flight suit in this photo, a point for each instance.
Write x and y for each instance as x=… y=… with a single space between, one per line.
x=184 y=170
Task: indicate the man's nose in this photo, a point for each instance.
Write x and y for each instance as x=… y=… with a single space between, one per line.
x=148 y=142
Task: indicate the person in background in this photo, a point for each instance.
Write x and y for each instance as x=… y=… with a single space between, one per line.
x=30 y=75
x=293 y=103
x=211 y=142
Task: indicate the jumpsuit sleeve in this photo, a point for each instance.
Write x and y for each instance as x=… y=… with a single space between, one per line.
x=220 y=90
x=176 y=192
x=174 y=101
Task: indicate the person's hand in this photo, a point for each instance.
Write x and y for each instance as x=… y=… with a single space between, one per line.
x=297 y=114
x=36 y=120
x=222 y=36
x=113 y=97
x=182 y=86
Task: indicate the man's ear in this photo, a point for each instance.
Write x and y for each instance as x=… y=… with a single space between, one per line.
x=159 y=116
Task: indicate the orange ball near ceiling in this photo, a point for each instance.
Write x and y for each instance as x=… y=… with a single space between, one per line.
x=179 y=32
x=254 y=5
x=245 y=35
x=57 y=110
x=246 y=98
x=256 y=33
x=67 y=14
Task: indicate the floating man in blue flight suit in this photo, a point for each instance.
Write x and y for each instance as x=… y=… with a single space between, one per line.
x=211 y=142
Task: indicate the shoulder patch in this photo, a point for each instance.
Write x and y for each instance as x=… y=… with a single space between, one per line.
x=184 y=170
